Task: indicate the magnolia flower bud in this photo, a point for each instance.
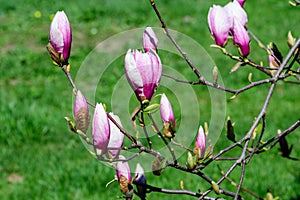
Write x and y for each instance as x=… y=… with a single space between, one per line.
x=200 y=143
x=291 y=40
x=140 y=181
x=100 y=128
x=124 y=176
x=273 y=64
x=158 y=165
x=241 y=2
x=219 y=22
x=143 y=72
x=116 y=138
x=241 y=38
x=237 y=12
x=150 y=40
x=61 y=37
x=167 y=116
x=190 y=163
x=81 y=113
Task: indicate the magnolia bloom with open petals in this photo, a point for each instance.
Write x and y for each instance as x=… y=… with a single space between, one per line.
x=241 y=38
x=143 y=72
x=123 y=174
x=81 y=112
x=116 y=138
x=200 y=143
x=150 y=40
x=100 y=128
x=61 y=35
x=236 y=11
x=219 y=22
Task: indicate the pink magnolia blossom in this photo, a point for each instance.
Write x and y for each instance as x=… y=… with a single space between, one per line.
x=143 y=72
x=100 y=128
x=80 y=102
x=123 y=174
x=219 y=22
x=81 y=112
x=200 y=144
x=61 y=34
x=123 y=169
x=166 y=111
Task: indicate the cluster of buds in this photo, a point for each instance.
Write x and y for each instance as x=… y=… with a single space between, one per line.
x=125 y=179
x=60 y=38
x=107 y=137
x=143 y=69
x=230 y=20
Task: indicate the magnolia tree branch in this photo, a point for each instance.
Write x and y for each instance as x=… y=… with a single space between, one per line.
x=196 y=163
x=274 y=140
x=261 y=115
x=164 y=26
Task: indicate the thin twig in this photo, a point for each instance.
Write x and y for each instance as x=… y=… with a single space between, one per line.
x=239 y=186
x=168 y=191
x=242 y=188
x=276 y=138
x=263 y=110
x=164 y=26
x=145 y=131
x=163 y=138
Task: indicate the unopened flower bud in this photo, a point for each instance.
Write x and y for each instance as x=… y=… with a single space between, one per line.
x=140 y=181
x=216 y=188
x=273 y=64
x=215 y=74
x=116 y=138
x=143 y=72
x=158 y=165
x=167 y=116
x=124 y=176
x=100 y=128
x=81 y=112
x=291 y=40
x=190 y=163
x=150 y=40
x=200 y=144
x=60 y=38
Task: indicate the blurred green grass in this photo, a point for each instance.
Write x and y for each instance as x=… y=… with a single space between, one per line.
x=36 y=144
